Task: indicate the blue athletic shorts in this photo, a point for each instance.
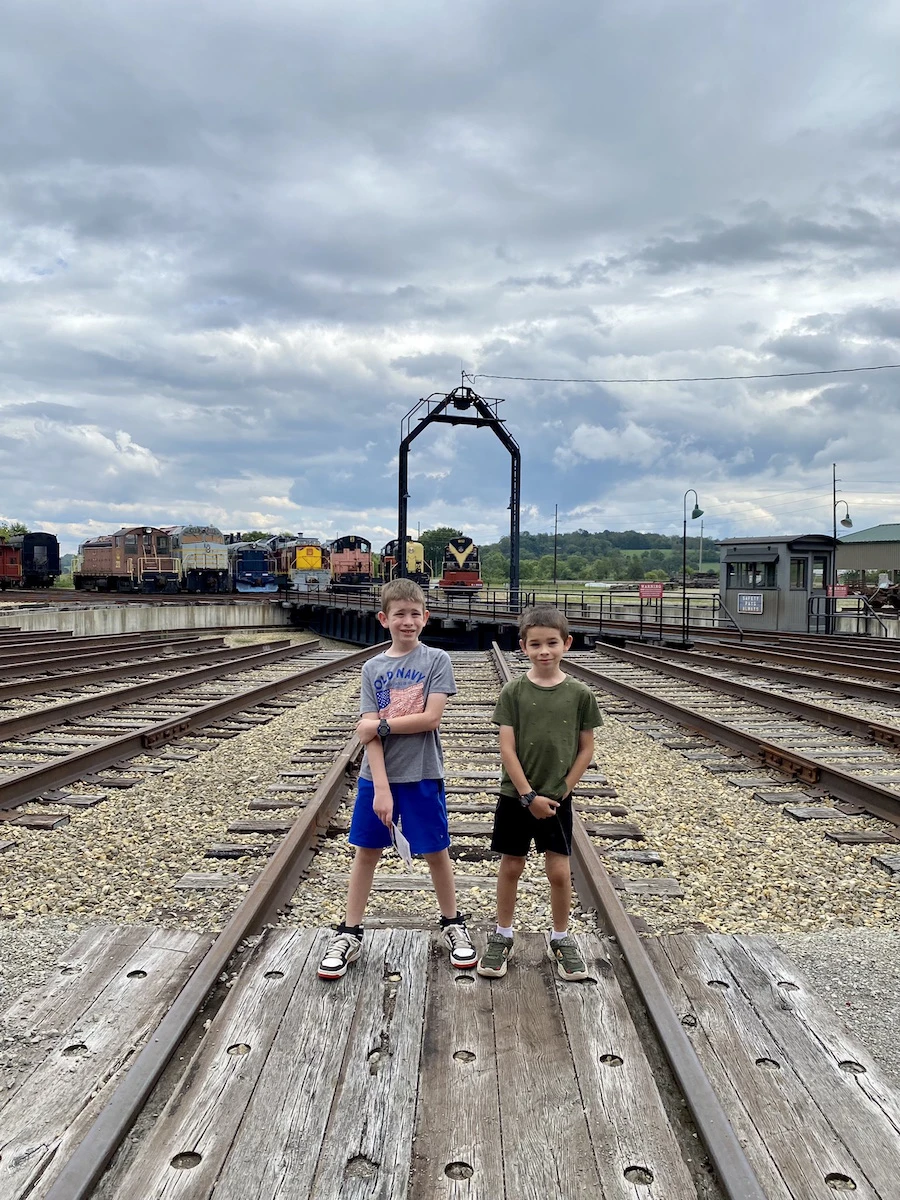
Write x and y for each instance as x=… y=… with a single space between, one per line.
x=420 y=810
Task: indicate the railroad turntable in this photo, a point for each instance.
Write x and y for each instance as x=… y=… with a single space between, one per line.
x=211 y=1060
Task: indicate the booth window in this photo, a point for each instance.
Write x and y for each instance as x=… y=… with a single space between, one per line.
x=798 y=573
x=819 y=570
x=750 y=575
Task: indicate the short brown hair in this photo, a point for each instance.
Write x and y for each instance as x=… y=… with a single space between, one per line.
x=543 y=616
x=401 y=589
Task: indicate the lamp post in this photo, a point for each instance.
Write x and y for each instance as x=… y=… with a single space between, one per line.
x=848 y=524
x=697 y=512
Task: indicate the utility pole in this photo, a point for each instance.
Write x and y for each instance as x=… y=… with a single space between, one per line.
x=700 y=559
x=555 y=532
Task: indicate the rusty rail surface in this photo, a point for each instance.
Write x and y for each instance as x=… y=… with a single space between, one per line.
x=595 y=889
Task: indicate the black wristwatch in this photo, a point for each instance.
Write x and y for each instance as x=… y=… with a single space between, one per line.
x=526 y=800
x=383 y=728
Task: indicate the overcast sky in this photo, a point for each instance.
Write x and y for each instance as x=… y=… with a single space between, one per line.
x=239 y=241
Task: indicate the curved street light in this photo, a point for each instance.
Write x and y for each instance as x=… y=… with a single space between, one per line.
x=697 y=512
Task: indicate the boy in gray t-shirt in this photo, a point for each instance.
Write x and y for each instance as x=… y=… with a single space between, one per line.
x=401 y=782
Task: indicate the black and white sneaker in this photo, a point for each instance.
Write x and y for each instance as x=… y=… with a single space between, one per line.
x=456 y=938
x=343 y=949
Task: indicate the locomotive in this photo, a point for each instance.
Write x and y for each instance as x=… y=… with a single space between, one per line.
x=251 y=565
x=29 y=560
x=462 y=568
x=351 y=562
x=140 y=559
x=417 y=569
x=301 y=563
x=203 y=556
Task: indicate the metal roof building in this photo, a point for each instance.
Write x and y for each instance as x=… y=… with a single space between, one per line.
x=875 y=549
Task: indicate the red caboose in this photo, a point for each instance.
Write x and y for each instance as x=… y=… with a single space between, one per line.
x=10 y=565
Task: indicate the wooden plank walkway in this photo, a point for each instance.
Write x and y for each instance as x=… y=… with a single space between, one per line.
x=409 y=1081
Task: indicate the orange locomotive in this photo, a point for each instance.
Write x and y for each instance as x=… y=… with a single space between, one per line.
x=130 y=560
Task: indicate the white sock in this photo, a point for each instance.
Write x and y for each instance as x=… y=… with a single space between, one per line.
x=555 y=934
x=505 y=931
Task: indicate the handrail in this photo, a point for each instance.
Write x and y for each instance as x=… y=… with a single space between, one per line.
x=724 y=609
x=874 y=614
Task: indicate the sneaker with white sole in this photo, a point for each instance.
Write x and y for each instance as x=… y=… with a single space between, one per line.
x=492 y=963
x=456 y=938
x=565 y=953
x=343 y=949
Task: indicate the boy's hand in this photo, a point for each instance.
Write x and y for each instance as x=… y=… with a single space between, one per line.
x=383 y=805
x=367 y=730
x=542 y=807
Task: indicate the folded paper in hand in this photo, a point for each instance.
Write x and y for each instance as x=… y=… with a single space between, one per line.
x=401 y=845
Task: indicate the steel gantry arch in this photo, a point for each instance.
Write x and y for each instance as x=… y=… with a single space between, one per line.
x=447 y=409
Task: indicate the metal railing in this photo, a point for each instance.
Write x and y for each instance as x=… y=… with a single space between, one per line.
x=823 y=615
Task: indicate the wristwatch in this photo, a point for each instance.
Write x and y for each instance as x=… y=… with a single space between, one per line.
x=383 y=728
x=526 y=800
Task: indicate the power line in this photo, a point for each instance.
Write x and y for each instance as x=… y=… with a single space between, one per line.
x=686 y=378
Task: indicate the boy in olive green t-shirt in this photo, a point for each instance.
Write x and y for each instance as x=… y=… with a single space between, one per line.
x=547 y=721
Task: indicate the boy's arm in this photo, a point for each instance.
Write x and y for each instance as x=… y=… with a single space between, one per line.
x=383 y=803
x=422 y=722
x=582 y=760
x=541 y=806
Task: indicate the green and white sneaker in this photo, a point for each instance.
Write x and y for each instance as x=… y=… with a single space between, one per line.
x=565 y=953
x=492 y=963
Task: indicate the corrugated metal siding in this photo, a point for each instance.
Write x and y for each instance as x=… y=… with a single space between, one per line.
x=869 y=556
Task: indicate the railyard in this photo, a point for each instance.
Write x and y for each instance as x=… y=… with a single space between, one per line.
x=722 y=861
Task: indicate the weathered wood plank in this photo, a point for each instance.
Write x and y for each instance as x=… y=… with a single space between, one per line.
x=628 y=1126
x=853 y=1098
x=552 y=1155
x=47 y=1114
x=648 y=887
x=237 y=1058
x=798 y=1139
x=459 y=1077
x=367 y=1149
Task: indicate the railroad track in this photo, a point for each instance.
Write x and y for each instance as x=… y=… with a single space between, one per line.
x=77 y=739
x=350 y=1067
x=852 y=758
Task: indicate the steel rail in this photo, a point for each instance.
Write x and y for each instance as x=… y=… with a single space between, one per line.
x=853 y=668
x=825 y=683
x=49 y=651
x=736 y=1176
x=213 y=650
x=885 y=735
x=68 y=710
x=862 y=650
x=273 y=888
x=27 y=785
x=61 y=663
x=879 y=801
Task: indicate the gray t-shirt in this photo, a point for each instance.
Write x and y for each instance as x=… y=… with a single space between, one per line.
x=400 y=687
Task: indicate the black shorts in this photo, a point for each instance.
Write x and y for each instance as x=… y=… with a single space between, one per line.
x=515 y=828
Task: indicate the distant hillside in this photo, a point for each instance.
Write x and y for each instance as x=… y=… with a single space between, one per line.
x=611 y=554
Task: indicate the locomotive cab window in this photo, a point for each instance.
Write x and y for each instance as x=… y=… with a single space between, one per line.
x=130 y=543
x=148 y=541
x=798 y=574
x=162 y=543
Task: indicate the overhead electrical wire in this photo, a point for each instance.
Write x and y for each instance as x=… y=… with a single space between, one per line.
x=686 y=378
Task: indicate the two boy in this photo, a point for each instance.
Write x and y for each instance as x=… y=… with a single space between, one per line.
x=546 y=743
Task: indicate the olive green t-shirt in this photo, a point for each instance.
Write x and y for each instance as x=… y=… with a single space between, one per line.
x=547 y=722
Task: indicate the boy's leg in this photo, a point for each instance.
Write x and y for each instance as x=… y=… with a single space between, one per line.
x=361 y=875
x=453 y=927
x=562 y=950
x=559 y=875
x=441 y=869
x=511 y=868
